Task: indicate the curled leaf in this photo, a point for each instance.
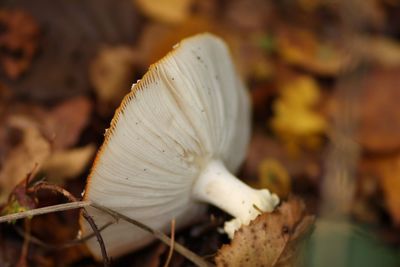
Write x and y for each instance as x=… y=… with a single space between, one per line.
x=272 y=239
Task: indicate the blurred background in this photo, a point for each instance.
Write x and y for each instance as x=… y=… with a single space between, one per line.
x=324 y=78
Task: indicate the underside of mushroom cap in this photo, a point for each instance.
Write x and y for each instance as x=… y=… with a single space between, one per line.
x=189 y=108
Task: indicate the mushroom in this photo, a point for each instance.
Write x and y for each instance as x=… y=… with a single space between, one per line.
x=172 y=146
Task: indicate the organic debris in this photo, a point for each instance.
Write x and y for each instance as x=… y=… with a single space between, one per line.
x=167 y=11
x=301 y=48
x=296 y=121
x=19 y=39
x=272 y=239
x=65 y=66
x=379 y=122
x=74 y=115
x=67 y=164
x=31 y=150
x=111 y=74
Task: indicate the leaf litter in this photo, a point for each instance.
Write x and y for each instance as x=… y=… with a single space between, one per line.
x=54 y=109
x=272 y=239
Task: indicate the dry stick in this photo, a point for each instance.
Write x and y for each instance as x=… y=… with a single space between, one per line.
x=106 y=260
x=85 y=214
x=171 y=246
x=81 y=204
x=159 y=235
x=44 y=210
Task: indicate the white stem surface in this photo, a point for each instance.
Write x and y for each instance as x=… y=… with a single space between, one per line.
x=217 y=186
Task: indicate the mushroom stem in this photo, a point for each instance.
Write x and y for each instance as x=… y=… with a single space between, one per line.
x=216 y=185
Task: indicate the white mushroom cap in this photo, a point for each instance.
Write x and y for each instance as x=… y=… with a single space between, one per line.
x=189 y=109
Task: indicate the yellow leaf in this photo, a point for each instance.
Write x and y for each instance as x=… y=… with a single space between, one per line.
x=295 y=121
x=169 y=11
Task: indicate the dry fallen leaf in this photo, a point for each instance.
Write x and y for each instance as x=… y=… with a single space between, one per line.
x=67 y=164
x=71 y=35
x=167 y=11
x=388 y=172
x=18 y=41
x=379 y=50
x=33 y=149
x=30 y=136
x=379 y=123
x=111 y=74
x=66 y=121
x=157 y=39
x=295 y=121
x=272 y=239
x=263 y=146
x=301 y=48
x=248 y=15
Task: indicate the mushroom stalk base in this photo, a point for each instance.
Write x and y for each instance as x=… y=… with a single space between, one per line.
x=217 y=186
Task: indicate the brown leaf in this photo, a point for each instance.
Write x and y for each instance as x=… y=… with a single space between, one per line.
x=18 y=41
x=67 y=164
x=29 y=136
x=111 y=74
x=32 y=149
x=66 y=121
x=379 y=123
x=379 y=50
x=263 y=146
x=301 y=48
x=248 y=15
x=72 y=35
x=272 y=239
x=158 y=39
x=388 y=172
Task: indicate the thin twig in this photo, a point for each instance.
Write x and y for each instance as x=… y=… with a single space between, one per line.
x=53 y=188
x=44 y=210
x=81 y=204
x=172 y=244
x=85 y=214
x=159 y=235
x=93 y=225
